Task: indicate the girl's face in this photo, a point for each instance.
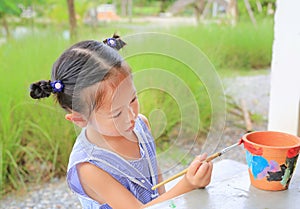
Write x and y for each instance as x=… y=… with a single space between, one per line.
x=118 y=112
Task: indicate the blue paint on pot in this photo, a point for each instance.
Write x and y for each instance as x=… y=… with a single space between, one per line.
x=257 y=164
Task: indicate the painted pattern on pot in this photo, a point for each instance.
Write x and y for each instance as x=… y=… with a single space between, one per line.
x=271 y=157
x=260 y=167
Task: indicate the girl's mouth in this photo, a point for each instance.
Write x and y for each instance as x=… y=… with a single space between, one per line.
x=130 y=128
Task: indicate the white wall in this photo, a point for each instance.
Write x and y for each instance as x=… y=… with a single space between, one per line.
x=285 y=73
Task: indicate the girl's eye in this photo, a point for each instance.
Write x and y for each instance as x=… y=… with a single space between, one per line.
x=133 y=99
x=115 y=116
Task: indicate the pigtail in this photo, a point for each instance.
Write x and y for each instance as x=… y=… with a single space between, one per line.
x=115 y=42
x=42 y=89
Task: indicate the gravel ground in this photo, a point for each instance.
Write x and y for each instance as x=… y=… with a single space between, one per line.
x=254 y=90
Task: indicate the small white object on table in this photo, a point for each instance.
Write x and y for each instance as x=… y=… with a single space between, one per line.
x=230 y=188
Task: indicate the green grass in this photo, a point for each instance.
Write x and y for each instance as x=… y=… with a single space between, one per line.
x=35 y=140
x=240 y=47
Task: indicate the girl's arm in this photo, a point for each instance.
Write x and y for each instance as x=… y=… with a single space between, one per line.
x=197 y=176
x=103 y=188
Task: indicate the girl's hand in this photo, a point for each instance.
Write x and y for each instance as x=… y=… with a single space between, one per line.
x=199 y=172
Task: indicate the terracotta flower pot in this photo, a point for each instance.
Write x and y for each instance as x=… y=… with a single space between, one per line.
x=271 y=158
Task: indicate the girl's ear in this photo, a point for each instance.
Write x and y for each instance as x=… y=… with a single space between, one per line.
x=76 y=118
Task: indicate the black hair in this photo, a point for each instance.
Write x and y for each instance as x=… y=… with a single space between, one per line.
x=82 y=65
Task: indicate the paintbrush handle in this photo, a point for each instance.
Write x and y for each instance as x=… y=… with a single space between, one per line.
x=210 y=158
x=170 y=179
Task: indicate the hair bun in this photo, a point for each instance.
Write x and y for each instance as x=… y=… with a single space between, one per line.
x=40 y=89
x=115 y=42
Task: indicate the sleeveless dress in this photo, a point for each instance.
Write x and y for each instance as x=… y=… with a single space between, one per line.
x=138 y=176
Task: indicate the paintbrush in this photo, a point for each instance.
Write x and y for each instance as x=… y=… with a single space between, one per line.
x=210 y=158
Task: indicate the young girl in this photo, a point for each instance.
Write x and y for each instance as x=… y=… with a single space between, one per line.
x=113 y=161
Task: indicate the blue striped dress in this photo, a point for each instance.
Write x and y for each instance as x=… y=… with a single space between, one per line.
x=138 y=176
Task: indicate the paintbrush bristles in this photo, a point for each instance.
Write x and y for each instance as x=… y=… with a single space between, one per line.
x=210 y=158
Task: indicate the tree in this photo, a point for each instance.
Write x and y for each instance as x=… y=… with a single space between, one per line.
x=163 y=6
x=8 y=7
x=72 y=19
x=126 y=8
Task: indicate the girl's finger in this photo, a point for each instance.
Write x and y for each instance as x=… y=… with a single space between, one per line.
x=194 y=166
x=208 y=177
x=197 y=162
x=202 y=157
x=202 y=170
x=208 y=173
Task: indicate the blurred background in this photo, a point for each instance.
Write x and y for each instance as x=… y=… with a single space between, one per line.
x=35 y=140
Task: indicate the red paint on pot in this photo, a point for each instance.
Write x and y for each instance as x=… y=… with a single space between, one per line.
x=251 y=148
x=293 y=152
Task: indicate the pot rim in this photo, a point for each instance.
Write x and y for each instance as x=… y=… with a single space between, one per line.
x=244 y=139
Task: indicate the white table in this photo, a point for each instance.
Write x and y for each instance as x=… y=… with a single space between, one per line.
x=230 y=188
